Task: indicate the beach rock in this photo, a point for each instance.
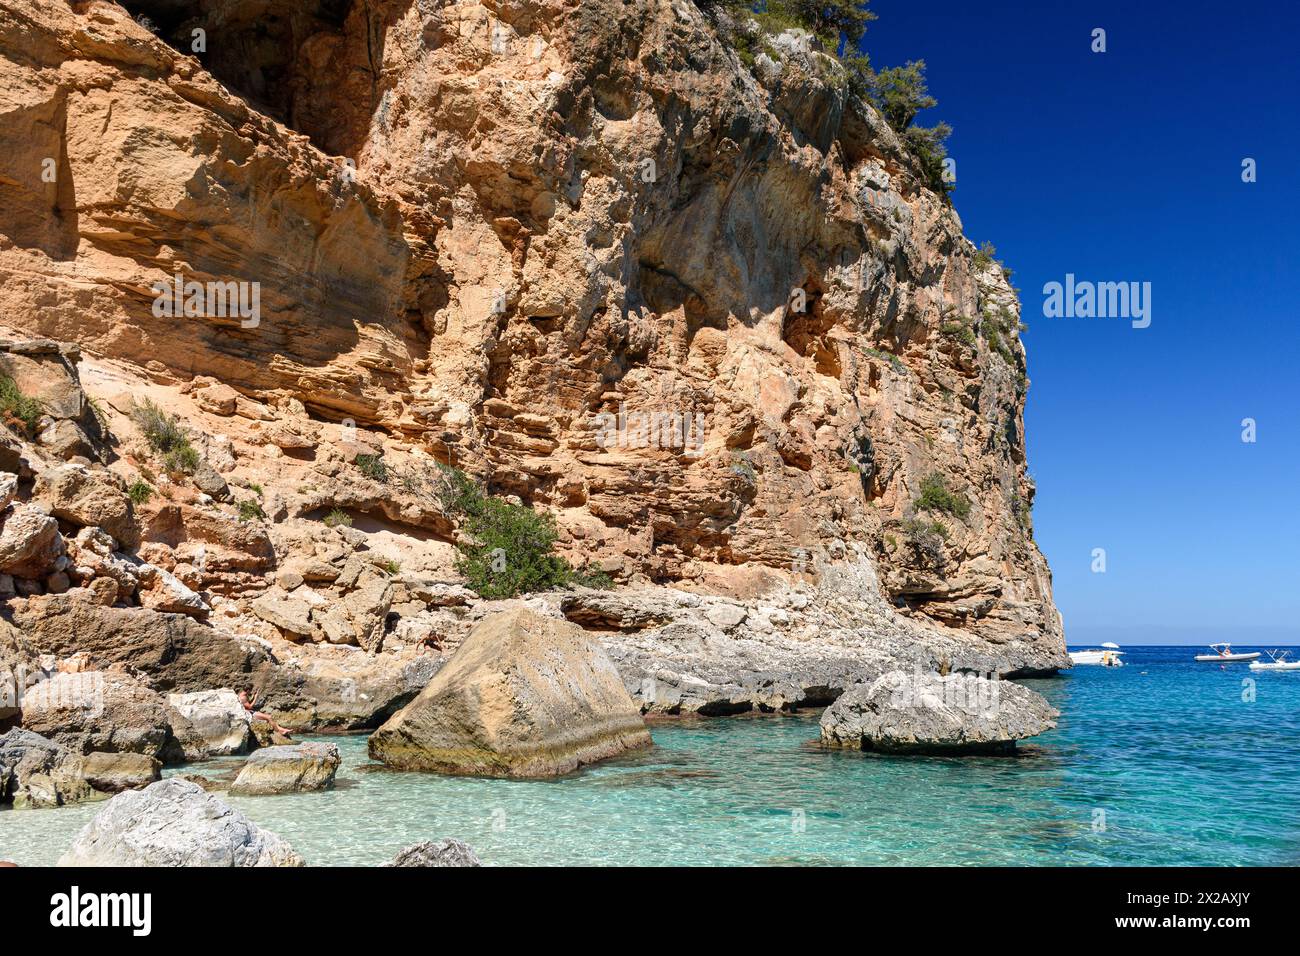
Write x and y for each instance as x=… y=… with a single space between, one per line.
x=98 y=710
x=30 y=542
x=113 y=773
x=217 y=718
x=37 y=772
x=162 y=591
x=175 y=651
x=523 y=696
x=292 y=615
x=90 y=498
x=448 y=852
x=175 y=823
x=913 y=712
x=297 y=768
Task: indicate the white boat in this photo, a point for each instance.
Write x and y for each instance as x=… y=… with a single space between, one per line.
x=1223 y=654
x=1108 y=655
x=1279 y=662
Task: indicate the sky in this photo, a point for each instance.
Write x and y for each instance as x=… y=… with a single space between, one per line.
x=1127 y=166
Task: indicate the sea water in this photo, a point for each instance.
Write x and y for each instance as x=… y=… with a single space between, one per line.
x=1162 y=762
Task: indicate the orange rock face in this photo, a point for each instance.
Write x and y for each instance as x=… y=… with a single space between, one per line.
x=709 y=315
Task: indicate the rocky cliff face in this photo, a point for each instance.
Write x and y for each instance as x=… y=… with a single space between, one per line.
x=707 y=313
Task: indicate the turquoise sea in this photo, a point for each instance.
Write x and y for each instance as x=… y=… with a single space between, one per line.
x=1162 y=762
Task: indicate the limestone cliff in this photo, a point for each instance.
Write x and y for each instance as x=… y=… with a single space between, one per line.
x=707 y=313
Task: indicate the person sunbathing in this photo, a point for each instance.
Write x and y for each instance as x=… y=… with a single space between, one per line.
x=250 y=704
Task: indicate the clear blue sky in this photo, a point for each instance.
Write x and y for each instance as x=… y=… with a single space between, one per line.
x=1127 y=166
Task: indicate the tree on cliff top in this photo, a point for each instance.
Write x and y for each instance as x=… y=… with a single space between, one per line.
x=838 y=24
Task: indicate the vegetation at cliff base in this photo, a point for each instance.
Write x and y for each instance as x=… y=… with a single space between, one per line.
x=507 y=549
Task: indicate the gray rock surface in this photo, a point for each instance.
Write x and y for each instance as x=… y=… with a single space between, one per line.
x=296 y=768
x=916 y=712
x=36 y=772
x=217 y=718
x=175 y=823
x=448 y=852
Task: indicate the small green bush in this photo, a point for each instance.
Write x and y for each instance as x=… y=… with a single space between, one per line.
x=511 y=551
x=985 y=256
x=373 y=467
x=927 y=539
x=456 y=491
x=937 y=496
x=166 y=436
x=20 y=412
x=589 y=576
x=139 y=492
x=337 y=517
x=389 y=566
x=251 y=511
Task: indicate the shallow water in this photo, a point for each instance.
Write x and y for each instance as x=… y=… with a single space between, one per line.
x=1161 y=762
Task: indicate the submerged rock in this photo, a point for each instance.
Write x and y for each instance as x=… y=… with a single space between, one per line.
x=175 y=823
x=523 y=696
x=903 y=712
x=293 y=769
x=36 y=772
x=448 y=852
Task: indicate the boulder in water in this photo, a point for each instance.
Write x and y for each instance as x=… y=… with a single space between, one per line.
x=175 y=823
x=37 y=772
x=523 y=696
x=903 y=712
x=448 y=852
x=297 y=768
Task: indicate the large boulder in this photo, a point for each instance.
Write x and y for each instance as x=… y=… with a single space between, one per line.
x=161 y=590
x=91 y=498
x=914 y=712
x=30 y=542
x=297 y=768
x=437 y=853
x=523 y=696
x=175 y=823
x=217 y=718
x=175 y=651
x=98 y=710
x=36 y=772
x=113 y=773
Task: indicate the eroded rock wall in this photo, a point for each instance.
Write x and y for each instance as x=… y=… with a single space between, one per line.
x=567 y=222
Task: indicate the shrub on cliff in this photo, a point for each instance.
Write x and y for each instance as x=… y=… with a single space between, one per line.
x=165 y=435
x=20 y=412
x=937 y=496
x=507 y=549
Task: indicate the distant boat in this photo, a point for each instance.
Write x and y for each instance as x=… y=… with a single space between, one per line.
x=1223 y=654
x=1279 y=662
x=1108 y=655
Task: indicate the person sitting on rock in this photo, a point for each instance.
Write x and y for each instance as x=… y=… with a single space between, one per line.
x=250 y=703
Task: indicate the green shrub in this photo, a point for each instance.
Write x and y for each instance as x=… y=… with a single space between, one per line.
x=510 y=551
x=20 y=412
x=743 y=467
x=251 y=511
x=589 y=576
x=165 y=435
x=389 y=566
x=960 y=330
x=373 y=467
x=927 y=539
x=456 y=491
x=937 y=496
x=337 y=517
x=985 y=256
x=139 y=492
